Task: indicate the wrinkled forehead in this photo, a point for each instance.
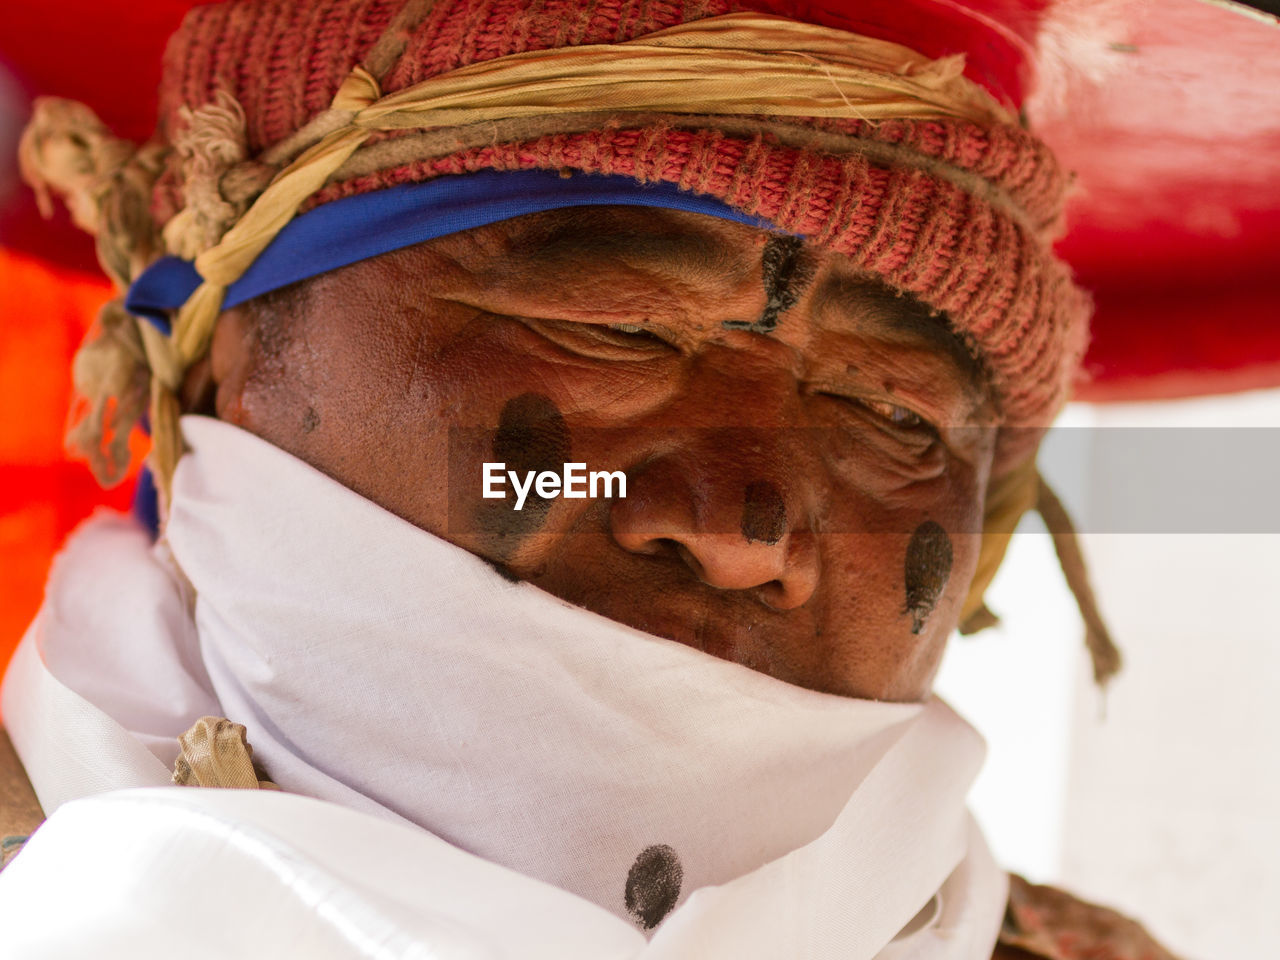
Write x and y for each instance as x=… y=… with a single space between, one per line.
x=684 y=261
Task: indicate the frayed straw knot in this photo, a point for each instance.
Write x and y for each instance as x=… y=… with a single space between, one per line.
x=106 y=183
x=124 y=365
x=212 y=142
x=112 y=378
x=67 y=150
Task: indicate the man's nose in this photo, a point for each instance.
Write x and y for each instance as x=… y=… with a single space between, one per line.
x=738 y=522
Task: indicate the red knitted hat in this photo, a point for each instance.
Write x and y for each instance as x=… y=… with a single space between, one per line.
x=958 y=214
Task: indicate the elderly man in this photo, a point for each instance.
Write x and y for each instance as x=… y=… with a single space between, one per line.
x=392 y=273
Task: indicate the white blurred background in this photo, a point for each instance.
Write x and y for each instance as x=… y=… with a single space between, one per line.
x=1163 y=797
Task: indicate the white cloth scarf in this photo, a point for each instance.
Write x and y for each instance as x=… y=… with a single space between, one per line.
x=386 y=670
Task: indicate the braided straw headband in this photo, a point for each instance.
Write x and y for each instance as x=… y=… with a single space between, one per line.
x=725 y=66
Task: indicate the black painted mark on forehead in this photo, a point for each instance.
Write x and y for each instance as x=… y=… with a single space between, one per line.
x=531 y=436
x=927 y=570
x=786 y=272
x=764 y=513
x=653 y=885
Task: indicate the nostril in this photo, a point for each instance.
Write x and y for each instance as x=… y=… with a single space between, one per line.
x=778 y=595
x=689 y=558
x=732 y=536
x=659 y=546
x=651 y=546
x=773 y=594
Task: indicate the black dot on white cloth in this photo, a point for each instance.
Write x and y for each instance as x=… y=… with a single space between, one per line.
x=653 y=885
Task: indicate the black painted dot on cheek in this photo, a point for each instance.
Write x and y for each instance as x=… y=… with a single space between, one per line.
x=531 y=434
x=927 y=570
x=764 y=513
x=310 y=420
x=531 y=437
x=653 y=885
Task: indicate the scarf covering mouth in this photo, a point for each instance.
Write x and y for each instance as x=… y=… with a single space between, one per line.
x=714 y=809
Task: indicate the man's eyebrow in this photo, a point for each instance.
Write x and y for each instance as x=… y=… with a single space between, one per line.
x=875 y=307
x=585 y=232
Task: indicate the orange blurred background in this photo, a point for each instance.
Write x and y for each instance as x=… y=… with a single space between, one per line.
x=43 y=493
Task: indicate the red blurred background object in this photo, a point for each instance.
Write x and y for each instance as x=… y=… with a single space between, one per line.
x=1169 y=114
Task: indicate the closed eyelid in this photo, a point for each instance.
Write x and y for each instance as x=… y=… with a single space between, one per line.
x=636 y=325
x=654 y=330
x=603 y=339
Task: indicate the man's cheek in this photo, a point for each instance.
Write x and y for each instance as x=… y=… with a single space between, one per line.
x=903 y=474
x=909 y=573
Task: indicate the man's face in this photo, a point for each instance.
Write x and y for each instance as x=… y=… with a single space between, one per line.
x=804 y=481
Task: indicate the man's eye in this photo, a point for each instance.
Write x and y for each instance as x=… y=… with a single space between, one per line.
x=899 y=416
x=605 y=341
x=636 y=334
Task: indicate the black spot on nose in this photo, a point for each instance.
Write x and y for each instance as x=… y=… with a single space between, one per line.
x=928 y=567
x=764 y=513
x=653 y=885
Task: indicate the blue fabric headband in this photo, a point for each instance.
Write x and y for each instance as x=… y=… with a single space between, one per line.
x=355 y=228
